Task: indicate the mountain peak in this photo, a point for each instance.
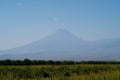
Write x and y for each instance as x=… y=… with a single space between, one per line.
x=63 y=32
x=65 y=45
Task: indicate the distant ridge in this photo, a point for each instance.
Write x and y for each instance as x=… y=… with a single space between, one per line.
x=64 y=45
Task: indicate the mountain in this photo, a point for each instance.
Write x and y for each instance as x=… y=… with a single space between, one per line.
x=63 y=45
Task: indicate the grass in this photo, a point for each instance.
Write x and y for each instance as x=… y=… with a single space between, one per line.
x=61 y=72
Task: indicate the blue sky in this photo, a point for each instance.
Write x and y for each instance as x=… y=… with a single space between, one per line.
x=25 y=21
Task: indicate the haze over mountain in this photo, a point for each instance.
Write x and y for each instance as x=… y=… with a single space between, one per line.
x=63 y=45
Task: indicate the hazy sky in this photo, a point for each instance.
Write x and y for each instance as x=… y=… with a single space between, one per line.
x=24 y=21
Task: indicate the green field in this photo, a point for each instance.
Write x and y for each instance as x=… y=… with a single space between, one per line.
x=61 y=72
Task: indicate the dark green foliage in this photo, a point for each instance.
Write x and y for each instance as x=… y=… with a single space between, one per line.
x=46 y=74
x=50 y=71
x=27 y=62
x=67 y=73
x=51 y=62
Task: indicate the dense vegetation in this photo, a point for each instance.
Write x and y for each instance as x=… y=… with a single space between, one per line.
x=61 y=72
x=51 y=62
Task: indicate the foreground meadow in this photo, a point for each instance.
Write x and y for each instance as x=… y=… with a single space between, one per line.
x=61 y=72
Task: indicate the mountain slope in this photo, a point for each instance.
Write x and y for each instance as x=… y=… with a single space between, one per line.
x=59 y=43
x=63 y=45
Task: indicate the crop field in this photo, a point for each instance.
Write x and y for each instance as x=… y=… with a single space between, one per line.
x=61 y=72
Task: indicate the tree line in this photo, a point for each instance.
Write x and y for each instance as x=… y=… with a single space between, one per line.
x=51 y=62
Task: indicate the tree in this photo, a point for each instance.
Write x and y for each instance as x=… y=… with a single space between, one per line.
x=27 y=62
